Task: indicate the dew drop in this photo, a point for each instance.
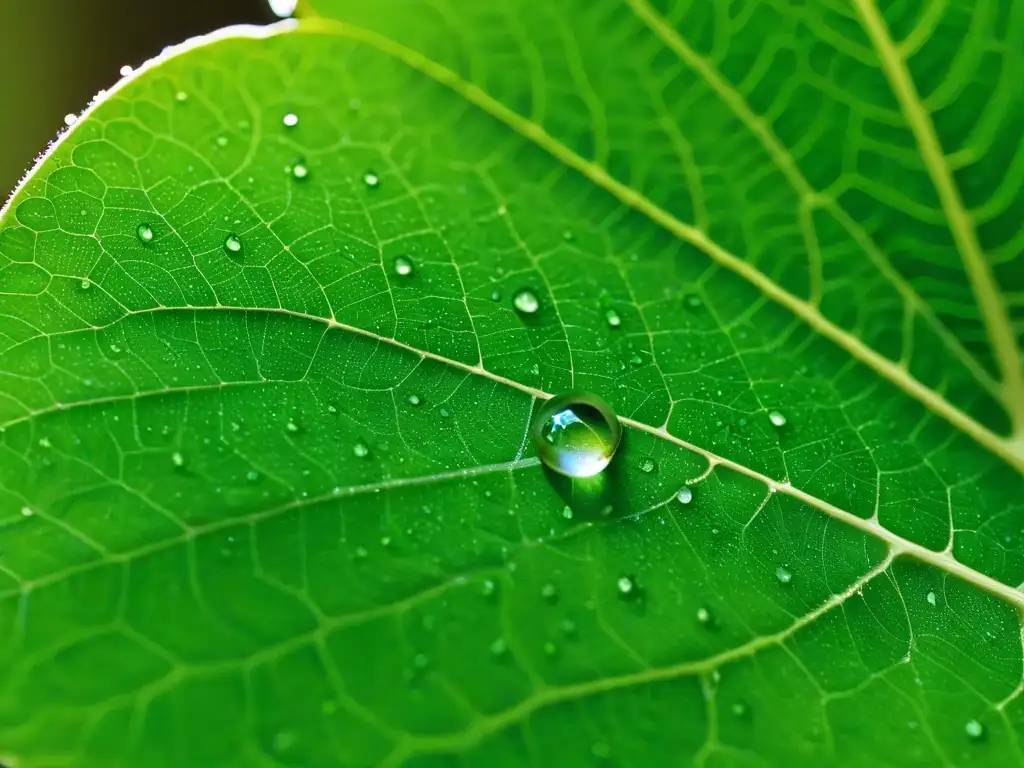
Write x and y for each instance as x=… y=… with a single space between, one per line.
x=332 y=409
x=974 y=729
x=292 y=427
x=576 y=434
x=70 y=119
x=495 y=295
x=931 y=598
x=44 y=442
x=360 y=450
x=177 y=459
x=27 y=512
x=488 y=588
x=703 y=615
x=777 y=419
x=647 y=466
x=549 y=592
x=614 y=321
x=126 y=70
x=232 y=244
x=86 y=284
x=783 y=574
x=685 y=495
x=739 y=709
x=144 y=233
x=499 y=648
x=568 y=627
x=550 y=648
x=567 y=512
x=252 y=475
x=371 y=179
x=283 y=9
x=222 y=141
x=625 y=585
x=403 y=266
x=525 y=302
x=181 y=96
x=300 y=171
x=290 y=120
x=414 y=400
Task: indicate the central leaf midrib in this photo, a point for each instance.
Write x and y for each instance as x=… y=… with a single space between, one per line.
x=896 y=544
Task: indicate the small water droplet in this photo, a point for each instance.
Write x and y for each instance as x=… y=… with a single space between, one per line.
x=685 y=495
x=252 y=475
x=332 y=409
x=126 y=69
x=144 y=233
x=777 y=419
x=222 y=141
x=576 y=434
x=974 y=729
x=290 y=120
x=177 y=459
x=703 y=615
x=44 y=442
x=625 y=585
x=495 y=295
x=86 y=284
x=27 y=512
x=371 y=179
x=783 y=574
x=414 y=400
x=181 y=96
x=739 y=709
x=636 y=360
x=232 y=244
x=525 y=302
x=549 y=592
x=931 y=598
x=648 y=465
x=283 y=9
x=300 y=171
x=360 y=450
x=550 y=648
x=568 y=627
x=70 y=119
x=488 y=588
x=403 y=266
x=567 y=512
x=361 y=553
x=444 y=413
x=613 y=318
x=292 y=427
x=499 y=648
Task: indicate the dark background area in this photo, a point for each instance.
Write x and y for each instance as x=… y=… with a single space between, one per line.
x=56 y=54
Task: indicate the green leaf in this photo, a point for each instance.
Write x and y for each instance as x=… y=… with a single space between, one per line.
x=267 y=498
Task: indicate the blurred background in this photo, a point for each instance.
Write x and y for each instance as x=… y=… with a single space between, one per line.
x=56 y=54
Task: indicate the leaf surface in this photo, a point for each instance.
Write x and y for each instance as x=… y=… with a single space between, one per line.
x=265 y=500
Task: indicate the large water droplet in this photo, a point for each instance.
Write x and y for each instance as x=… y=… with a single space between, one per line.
x=403 y=266
x=414 y=399
x=499 y=648
x=974 y=729
x=300 y=171
x=145 y=233
x=685 y=495
x=777 y=419
x=613 y=318
x=290 y=120
x=177 y=459
x=283 y=9
x=360 y=450
x=576 y=434
x=703 y=615
x=233 y=244
x=371 y=179
x=647 y=466
x=931 y=598
x=526 y=302
x=783 y=574
x=625 y=585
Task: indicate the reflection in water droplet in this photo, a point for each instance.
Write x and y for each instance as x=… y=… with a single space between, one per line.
x=526 y=302
x=361 y=450
x=177 y=459
x=703 y=615
x=685 y=495
x=292 y=427
x=931 y=598
x=290 y=120
x=371 y=179
x=403 y=266
x=974 y=729
x=783 y=574
x=233 y=244
x=144 y=233
x=613 y=318
x=576 y=434
x=777 y=419
x=300 y=171
x=647 y=466
x=625 y=585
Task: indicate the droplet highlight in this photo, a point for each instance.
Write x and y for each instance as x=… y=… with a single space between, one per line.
x=777 y=419
x=371 y=179
x=526 y=302
x=576 y=434
x=974 y=729
x=290 y=120
x=783 y=574
x=403 y=266
x=145 y=233
x=233 y=244
x=361 y=450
